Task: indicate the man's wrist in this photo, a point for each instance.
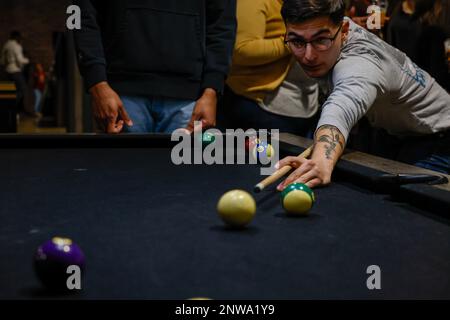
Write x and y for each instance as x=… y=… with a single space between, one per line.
x=98 y=86
x=328 y=143
x=209 y=93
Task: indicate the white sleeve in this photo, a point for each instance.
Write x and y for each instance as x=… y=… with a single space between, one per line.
x=356 y=82
x=21 y=60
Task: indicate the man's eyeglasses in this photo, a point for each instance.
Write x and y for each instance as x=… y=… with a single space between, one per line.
x=319 y=44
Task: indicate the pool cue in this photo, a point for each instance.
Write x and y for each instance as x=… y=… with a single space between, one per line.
x=279 y=173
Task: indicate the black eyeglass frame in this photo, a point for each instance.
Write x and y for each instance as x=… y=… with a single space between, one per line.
x=312 y=42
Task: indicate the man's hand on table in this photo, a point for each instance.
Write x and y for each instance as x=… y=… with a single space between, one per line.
x=328 y=148
x=108 y=109
x=204 y=110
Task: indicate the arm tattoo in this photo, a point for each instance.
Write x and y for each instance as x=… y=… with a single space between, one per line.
x=332 y=139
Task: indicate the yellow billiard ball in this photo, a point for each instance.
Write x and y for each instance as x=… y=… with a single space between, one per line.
x=236 y=208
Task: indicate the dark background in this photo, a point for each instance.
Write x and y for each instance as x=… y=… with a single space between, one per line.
x=37 y=20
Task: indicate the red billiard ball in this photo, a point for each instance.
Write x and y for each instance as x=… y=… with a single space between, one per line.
x=52 y=259
x=250 y=143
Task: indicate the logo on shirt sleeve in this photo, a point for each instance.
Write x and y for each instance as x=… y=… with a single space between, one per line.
x=417 y=74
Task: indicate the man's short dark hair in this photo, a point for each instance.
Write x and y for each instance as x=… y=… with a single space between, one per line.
x=298 y=11
x=15 y=35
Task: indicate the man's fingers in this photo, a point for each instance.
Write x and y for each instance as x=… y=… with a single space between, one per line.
x=124 y=116
x=191 y=127
x=111 y=116
x=307 y=176
x=314 y=183
x=285 y=183
x=198 y=127
x=304 y=173
x=294 y=162
x=290 y=179
x=114 y=127
x=208 y=124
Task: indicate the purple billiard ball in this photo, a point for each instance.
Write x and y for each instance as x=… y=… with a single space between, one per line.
x=52 y=259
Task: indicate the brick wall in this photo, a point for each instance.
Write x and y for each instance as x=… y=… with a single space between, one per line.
x=36 y=20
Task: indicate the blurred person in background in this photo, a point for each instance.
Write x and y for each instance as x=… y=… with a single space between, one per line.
x=13 y=59
x=420 y=28
x=267 y=87
x=38 y=87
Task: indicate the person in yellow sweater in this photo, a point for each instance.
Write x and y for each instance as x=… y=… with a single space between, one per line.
x=267 y=89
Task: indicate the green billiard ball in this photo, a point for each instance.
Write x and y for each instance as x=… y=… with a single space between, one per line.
x=207 y=139
x=297 y=199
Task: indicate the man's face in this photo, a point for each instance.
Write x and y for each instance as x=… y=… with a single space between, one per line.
x=316 y=63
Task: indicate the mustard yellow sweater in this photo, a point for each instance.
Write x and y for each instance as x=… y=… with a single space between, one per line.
x=261 y=60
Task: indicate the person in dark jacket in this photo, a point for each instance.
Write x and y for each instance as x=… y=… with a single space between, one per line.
x=418 y=28
x=153 y=65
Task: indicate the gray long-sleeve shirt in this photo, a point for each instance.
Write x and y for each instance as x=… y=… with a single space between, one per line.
x=373 y=78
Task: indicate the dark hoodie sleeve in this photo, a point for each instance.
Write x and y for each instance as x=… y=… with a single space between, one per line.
x=88 y=41
x=220 y=37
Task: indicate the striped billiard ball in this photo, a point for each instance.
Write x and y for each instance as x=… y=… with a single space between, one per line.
x=297 y=199
x=52 y=259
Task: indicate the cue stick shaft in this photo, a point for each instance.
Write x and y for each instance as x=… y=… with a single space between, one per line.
x=280 y=172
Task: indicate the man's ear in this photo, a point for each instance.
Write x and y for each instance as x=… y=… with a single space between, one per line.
x=345 y=29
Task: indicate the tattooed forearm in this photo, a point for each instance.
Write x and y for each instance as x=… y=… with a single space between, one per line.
x=331 y=136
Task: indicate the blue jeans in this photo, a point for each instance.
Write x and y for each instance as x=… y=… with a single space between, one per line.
x=430 y=151
x=37 y=100
x=155 y=114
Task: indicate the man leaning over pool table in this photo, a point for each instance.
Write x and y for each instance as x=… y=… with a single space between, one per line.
x=365 y=77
